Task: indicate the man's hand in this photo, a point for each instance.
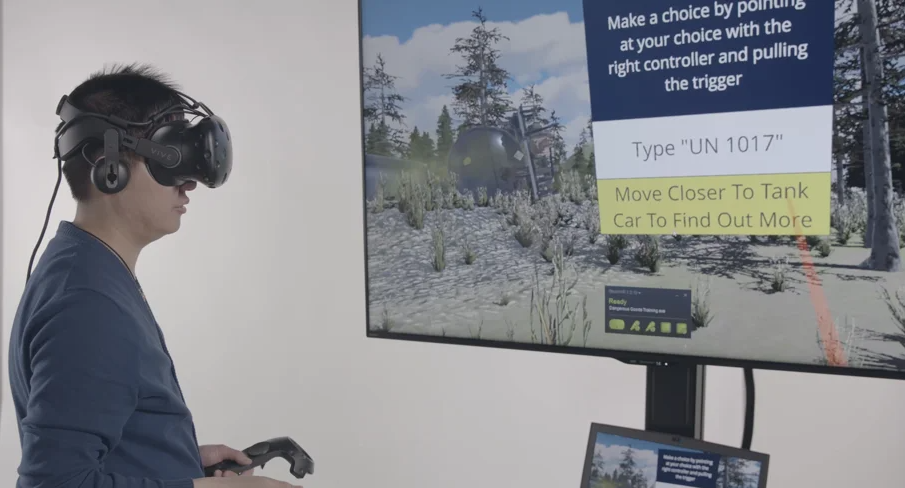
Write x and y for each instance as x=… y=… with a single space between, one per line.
x=213 y=454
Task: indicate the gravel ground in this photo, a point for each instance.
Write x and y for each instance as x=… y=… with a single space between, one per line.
x=491 y=297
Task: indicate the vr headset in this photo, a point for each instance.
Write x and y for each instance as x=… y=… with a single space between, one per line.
x=176 y=151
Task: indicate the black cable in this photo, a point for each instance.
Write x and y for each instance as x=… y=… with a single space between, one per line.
x=749 y=409
x=53 y=198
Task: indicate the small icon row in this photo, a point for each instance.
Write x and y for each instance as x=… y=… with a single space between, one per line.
x=665 y=328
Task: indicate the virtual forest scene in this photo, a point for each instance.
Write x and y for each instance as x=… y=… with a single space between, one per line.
x=482 y=213
x=629 y=463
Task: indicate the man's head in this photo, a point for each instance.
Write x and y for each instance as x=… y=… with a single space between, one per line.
x=144 y=208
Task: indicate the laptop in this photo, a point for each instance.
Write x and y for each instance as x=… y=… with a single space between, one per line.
x=619 y=457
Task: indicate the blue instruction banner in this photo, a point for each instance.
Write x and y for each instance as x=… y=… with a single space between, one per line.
x=687 y=469
x=660 y=58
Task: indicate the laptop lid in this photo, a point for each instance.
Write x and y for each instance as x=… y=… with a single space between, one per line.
x=619 y=457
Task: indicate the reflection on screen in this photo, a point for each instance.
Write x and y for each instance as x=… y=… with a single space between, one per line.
x=661 y=176
x=621 y=462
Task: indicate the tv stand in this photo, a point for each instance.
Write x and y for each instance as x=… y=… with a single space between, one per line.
x=675 y=399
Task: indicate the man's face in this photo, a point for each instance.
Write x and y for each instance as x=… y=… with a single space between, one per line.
x=151 y=210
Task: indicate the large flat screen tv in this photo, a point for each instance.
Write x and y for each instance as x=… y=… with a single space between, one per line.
x=655 y=180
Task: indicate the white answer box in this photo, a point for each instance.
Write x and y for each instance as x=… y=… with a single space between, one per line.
x=795 y=140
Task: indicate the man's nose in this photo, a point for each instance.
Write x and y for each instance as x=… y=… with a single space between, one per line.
x=188 y=185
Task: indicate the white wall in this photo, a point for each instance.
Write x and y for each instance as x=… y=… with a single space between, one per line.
x=264 y=308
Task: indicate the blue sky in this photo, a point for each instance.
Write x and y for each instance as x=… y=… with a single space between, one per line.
x=400 y=17
x=545 y=47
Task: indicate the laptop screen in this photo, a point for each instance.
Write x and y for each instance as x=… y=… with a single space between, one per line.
x=618 y=457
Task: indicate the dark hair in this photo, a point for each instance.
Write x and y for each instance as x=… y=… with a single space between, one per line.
x=132 y=92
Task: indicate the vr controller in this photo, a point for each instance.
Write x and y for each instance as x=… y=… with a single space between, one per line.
x=300 y=463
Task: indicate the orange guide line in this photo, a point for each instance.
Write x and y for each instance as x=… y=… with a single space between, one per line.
x=835 y=356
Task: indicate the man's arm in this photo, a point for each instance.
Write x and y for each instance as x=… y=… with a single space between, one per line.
x=84 y=387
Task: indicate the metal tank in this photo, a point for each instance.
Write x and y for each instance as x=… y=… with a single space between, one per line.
x=488 y=157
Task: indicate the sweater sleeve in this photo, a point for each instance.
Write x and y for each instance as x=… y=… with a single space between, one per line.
x=85 y=371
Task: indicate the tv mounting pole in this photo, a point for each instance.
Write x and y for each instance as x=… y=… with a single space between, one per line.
x=675 y=399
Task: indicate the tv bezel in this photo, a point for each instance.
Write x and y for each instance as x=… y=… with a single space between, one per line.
x=626 y=356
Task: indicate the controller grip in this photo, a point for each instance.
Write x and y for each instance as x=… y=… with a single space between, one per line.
x=259 y=454
x=263 y=452
x=230 y=466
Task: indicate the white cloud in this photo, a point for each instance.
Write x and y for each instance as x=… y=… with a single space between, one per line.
x=548 y=50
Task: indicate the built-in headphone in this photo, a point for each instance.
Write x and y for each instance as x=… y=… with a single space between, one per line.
x=109 y=173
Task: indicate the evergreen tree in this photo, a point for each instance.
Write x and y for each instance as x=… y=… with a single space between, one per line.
x=884 y=253
x=427 y=146
x=582 y=154
x=847 y=82
x=414 y=144
x=579 y=161
x=383 y=107
x=629 y=475
x=849 y=146
x=444 y=133
x=370 y=141
x=558 y=148
x=420 y=146
x=736 y=474
x=380 y=141
x=482 y=95
x=533 y=104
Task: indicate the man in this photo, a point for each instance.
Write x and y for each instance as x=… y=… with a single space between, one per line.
x=96 y=395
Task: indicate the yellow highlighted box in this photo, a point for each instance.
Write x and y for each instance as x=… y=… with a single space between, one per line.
x=775 y=204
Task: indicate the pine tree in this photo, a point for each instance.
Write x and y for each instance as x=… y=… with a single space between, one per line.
x=627 y=466
x=851 y=142
x=427 y=146
x=444 y=134
x=482 y=95
x=884 y=253
x=414 y=148
x=533 y=104
x=847 y=82
x=420 y=146
x=736 y=475
x=383 y=106
x=579 y=161
x=558 y=148
x=379 y=140
x=370 y=140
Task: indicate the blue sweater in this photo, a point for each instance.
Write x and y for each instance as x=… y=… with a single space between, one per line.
x=97 y=401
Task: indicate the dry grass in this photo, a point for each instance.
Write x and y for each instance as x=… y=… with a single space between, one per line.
x=778 y=278
x=553 y=316
x=701 y=316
